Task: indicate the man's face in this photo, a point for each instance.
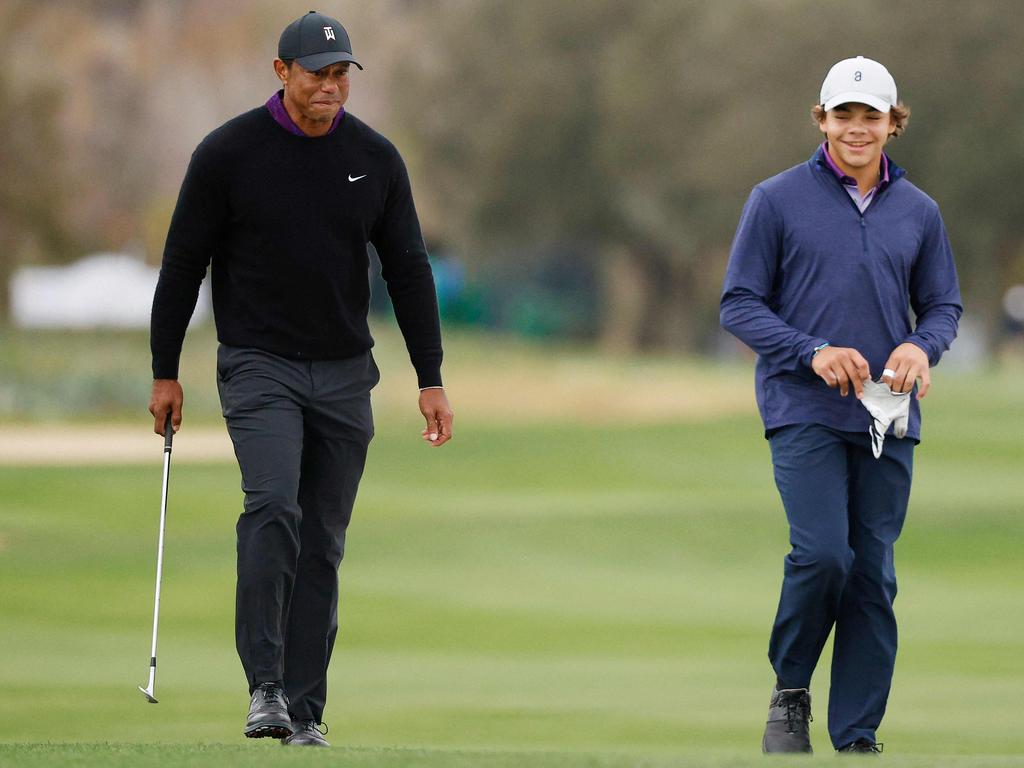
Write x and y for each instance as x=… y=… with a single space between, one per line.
x=316 y=95
x=857 y=134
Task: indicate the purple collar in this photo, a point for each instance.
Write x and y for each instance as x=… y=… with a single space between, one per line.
x=276 y=108
x=849 y=181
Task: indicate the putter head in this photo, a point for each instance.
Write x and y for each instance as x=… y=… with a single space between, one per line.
x=148 y=694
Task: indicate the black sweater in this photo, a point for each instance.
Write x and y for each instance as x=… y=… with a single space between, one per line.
x=285 y=221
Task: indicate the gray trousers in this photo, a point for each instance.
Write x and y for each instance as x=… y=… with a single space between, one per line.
x=300 y=429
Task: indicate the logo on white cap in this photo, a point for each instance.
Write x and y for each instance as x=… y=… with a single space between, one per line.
x=329 y=33
x=859 y=80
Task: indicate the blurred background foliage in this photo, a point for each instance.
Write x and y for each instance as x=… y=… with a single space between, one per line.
x=579 y=166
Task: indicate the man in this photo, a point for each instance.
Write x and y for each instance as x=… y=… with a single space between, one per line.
x=829 y=259
x=282 y=200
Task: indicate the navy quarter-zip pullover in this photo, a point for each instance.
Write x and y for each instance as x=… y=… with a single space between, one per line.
x=807 y=267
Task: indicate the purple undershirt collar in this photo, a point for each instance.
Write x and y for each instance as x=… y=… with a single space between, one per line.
x=276 y=108
x=849 y=181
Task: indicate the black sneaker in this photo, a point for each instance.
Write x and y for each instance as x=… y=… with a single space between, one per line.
x=306 y=734
x=789 y=717
x=861 y=747
x=268 y=713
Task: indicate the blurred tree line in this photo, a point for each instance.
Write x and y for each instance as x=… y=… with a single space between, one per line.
x=607 y=139
x=638 y=129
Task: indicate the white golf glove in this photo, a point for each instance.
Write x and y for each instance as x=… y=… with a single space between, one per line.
x=886 y=407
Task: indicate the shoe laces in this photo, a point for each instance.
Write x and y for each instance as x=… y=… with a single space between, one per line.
x=863 y=745
x=271 y=691
x=313 y=725
x=798 y=710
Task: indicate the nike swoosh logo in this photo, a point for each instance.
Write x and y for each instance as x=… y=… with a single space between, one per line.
x=356 y=178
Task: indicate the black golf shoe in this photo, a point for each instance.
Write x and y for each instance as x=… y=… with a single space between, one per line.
x=861 y=747
x=789 y=716
x=306 y=734
x=268 y=713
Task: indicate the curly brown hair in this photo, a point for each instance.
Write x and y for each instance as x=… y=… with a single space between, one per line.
x=900 y=117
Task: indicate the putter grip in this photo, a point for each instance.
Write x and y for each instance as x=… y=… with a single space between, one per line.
x=168 y=432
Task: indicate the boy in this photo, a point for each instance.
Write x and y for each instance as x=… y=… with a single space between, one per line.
x=828 y=261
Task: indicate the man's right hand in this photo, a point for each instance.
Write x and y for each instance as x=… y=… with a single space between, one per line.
x=167 y=396
x=841 y=367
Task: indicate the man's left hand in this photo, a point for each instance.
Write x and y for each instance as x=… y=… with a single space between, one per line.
x=435 y=409
x=908 y=362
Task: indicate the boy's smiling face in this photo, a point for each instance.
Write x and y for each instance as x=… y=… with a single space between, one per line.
x=856 y=135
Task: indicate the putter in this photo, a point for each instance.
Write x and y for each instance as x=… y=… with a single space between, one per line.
x=168 y=437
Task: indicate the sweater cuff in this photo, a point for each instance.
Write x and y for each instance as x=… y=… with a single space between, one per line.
x=428 y=376
x=807 y=350
x=165 y=369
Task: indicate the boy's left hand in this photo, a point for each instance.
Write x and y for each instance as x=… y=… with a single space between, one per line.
x=906 y=364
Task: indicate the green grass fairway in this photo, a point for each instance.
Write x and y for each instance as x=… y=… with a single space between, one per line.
x=219 y=755
x=566 y=595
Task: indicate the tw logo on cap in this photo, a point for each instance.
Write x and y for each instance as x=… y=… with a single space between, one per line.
x=329 y=33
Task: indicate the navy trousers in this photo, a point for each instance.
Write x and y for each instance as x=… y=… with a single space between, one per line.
x=845 y=510
x=300 y=431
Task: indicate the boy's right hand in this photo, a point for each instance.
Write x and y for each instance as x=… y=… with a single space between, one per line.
x=842 y=367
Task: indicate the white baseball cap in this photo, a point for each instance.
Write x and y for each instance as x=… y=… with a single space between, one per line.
x=859 y=80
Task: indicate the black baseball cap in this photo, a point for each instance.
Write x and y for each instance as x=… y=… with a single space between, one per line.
x=315 y=41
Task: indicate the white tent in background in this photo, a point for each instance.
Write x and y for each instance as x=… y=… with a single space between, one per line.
x=105 y=290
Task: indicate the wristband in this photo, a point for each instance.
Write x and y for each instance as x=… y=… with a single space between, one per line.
x=820 y=347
